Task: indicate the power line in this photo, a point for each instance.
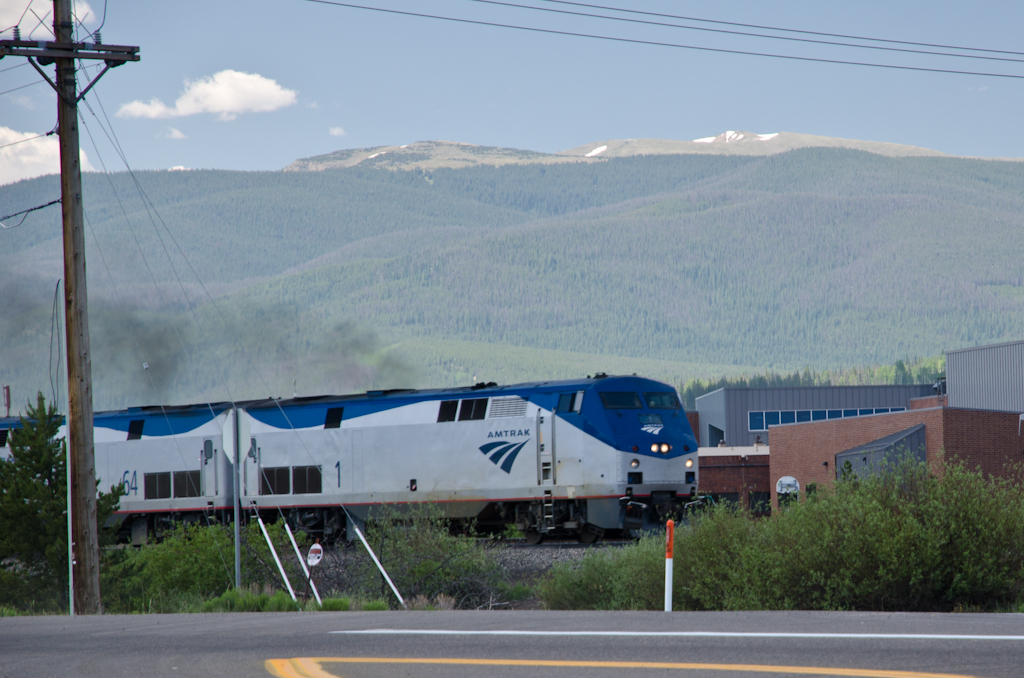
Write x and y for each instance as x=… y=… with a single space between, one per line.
x=15 y=89
x=38 y=136
x=655 y=43
x=783 y=30
x=662 y=24
x=26 y=213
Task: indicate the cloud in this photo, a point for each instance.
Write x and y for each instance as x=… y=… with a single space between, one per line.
x=337 y=132
x=12 y=12
x=227 y=94
x=174 y=133
x=30 y=158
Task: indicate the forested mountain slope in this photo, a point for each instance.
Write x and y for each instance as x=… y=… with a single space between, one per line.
x=684 y=265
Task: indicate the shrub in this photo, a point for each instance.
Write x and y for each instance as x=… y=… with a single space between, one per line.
x=280 y=602
x=423 y=558
x=335 y=605
x=375 y=605
x=192 y=564
x=901 y=540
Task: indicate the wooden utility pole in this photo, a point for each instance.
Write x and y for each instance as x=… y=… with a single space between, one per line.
x=63 y=52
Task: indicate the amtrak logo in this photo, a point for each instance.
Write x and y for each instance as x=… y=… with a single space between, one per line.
x=503 y=449
x=652 y=428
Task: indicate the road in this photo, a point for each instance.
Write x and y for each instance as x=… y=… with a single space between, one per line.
x=532 y=644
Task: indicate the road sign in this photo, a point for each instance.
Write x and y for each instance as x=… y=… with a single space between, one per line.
x=316 y=554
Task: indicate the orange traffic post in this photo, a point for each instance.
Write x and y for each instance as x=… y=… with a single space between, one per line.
x=670 y=538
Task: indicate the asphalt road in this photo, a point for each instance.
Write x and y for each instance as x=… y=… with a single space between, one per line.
x=515 y=645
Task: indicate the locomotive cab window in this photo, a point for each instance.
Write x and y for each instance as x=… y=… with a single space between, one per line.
x=275 y=480
x=157 y=485
x=307 y=480
x=662 y=401
x=473 y=409
x=621 y=400
x=448 y=410
x=3 y=438
x=135 y=429
x=333 y=417
x=570 y=402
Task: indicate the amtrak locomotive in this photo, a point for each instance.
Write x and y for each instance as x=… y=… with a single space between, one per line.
x=553 y=458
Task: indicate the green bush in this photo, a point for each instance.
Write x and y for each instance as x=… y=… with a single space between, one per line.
x=192 y=564
x=424 y=559
x=375 y=605
x=902 y=540
x=335 y=605
x=280 y=602
x=237 y=601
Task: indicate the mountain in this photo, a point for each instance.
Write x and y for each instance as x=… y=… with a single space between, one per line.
x=672 y=265
x=740 y=143
x=431 y=155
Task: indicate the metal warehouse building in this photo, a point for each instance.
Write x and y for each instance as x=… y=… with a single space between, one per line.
x=987 y=377
x=740 y=416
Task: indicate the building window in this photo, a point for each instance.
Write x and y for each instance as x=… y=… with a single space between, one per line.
x=760 y=421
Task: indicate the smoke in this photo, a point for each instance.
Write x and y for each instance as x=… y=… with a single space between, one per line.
x=240 y=351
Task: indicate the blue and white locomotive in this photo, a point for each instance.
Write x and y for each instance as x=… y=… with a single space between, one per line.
x=561 y=457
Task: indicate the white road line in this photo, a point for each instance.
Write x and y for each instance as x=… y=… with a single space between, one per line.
x=675 y=634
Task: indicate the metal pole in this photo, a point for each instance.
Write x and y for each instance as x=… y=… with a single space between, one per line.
x=273 y=552
x=373 y=557
x=238 y=501
x=80 y=439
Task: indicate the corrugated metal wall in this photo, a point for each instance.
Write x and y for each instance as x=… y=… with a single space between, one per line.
x=987 y=377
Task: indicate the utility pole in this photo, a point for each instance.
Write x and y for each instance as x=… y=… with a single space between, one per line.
x=63 y=52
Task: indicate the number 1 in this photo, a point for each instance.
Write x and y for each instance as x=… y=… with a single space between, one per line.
x=337 y=465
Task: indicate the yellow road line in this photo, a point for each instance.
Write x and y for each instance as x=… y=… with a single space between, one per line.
x=311 y=667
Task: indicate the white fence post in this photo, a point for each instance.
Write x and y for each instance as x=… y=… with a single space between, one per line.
x=670 y=536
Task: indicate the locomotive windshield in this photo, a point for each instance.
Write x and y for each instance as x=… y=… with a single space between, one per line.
x=621 y=401
x=662 y=401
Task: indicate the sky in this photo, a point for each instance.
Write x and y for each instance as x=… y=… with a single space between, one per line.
x=256 y=85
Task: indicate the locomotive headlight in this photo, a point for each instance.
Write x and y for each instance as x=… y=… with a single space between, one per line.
x=689 y=463
x=654 y=447
x=665 y=447
x=635 y=463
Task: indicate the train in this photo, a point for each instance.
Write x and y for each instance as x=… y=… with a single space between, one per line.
x=557 y=458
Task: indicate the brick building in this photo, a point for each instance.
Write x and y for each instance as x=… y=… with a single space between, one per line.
x=991 y=440
x=736 y=474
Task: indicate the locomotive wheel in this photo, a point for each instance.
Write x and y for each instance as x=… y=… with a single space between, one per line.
x=533 y=537
x=588 y=534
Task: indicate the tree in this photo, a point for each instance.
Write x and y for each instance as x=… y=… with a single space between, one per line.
x=33 y=512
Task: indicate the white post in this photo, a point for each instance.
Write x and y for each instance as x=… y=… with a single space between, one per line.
x=277 y=560
x=305 y=570
x=375 y=561
x=670 y=534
